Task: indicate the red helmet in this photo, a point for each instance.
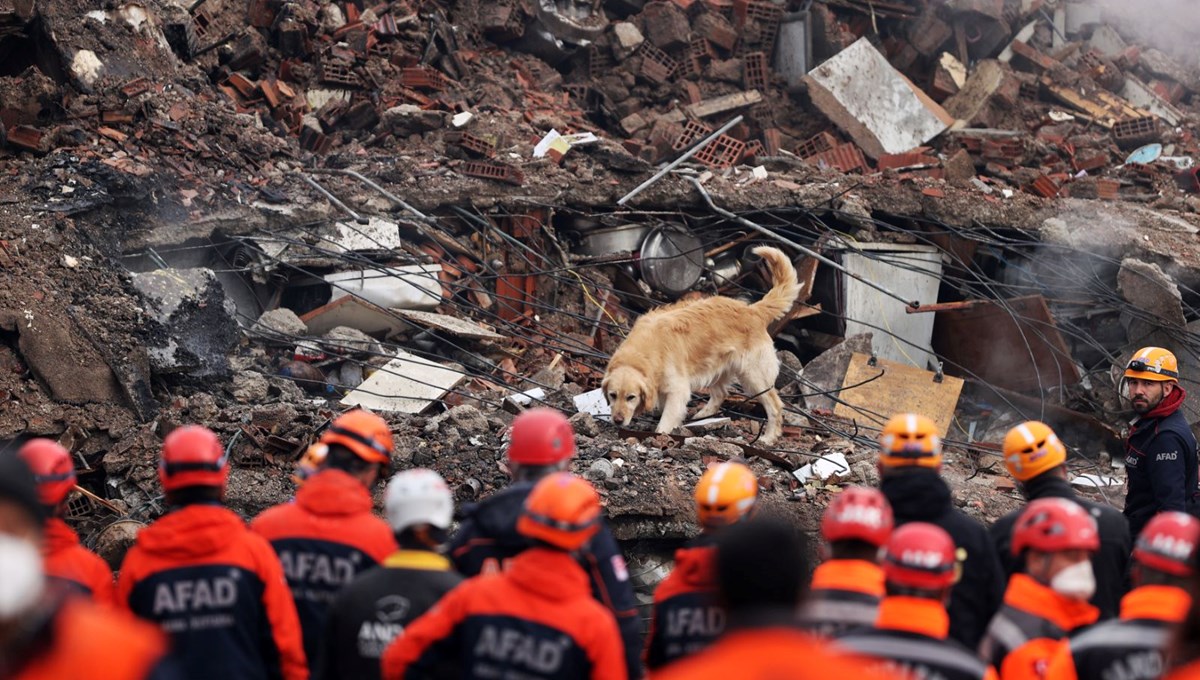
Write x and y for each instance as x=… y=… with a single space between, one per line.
x=192 y=456
x=1167 y=543
x=364 y=433
x=52 y=468
x=1055 y=525
x=859 y=514
x=562 y=510
x=541 y=436
x=920 y=555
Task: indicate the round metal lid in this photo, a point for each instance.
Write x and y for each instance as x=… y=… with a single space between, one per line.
x=672 y=260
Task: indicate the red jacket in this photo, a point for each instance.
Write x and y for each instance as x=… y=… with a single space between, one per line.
x=82 y=640
x=66 y=560
x=326 y=538
x=768 y=653
x=686 y=618
x=536 y=620
x=219 y=591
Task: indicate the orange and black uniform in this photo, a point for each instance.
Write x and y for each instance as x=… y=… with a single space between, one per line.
x=844 y=595
x=1028 y=629
x=537 y=620
x=685 y=618
x=1131 y=647
x=769 y=650
x=217 y=589
x=69 y=563
x=324 y=539
x=74 y=638
x=910 y=636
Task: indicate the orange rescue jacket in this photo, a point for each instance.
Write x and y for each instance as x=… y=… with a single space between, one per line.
x=81 y=569
x=538 y=619
x=218 y=590
x=1026 y=633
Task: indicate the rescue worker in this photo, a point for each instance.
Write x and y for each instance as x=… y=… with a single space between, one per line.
x=1053 y=541
x=909 y=465
x=534 y=620
x=329 y=535
x=543 y=442
x=310 y=463
x=46 y=631
x=911 y=632
x=686 y=617
x=64 y=559
x=1160 y=452
x=1036 y=458
x=758 y=564
x=1183 y=651
x=370 y=612
x=1134 y=646
x=847 y=587
x=214 y=586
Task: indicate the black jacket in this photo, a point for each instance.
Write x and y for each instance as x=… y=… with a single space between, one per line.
x=1110 y=564
x=1160 y=463
x=376 y=607
x=920 y=495
x=487 y=539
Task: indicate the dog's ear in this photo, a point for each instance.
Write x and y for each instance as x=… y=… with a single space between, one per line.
x=649 y=398
x=604 y=387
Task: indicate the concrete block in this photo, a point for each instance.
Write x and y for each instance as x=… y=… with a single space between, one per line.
x=666 y=26
x=881 y=109
x=201 y=320
x=626 y=39
x=982 y=84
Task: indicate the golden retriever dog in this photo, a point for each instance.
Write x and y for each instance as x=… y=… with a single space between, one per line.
x=712 y=342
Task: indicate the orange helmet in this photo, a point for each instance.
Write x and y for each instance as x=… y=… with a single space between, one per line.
x=52 y=468
x=562 y=510
x=192 y=456
x=541 y=436
x=909 y=440
x=1153 y=363
x=725 y=494
x=1030 y=449
x=309 y=462
x=364 y=433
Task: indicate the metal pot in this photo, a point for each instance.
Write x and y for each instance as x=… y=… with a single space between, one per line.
x=725 y=268
x=672 y=260
x=623 y=239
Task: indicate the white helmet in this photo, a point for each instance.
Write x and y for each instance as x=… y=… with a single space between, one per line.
x=418 y=496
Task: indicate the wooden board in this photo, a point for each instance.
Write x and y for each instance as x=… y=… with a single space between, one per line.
x=900 y=389
x=407 y=384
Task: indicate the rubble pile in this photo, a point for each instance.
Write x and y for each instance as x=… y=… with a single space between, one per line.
x=255 y=215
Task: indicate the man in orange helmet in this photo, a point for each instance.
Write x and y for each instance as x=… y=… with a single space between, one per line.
x=911 y=632
x=759 y=568
x=535 y=620
x=1053 y=540
x=686 y=616
x=847 y=587
x=1036 y=459
x=909 y=464
x=329 y=535
x=213 y=585
x=1162 y=576
x=65 y=560
x=542 y=443
x=1160 y=453
x=47 y=632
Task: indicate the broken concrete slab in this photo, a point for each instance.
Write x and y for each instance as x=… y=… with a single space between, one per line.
x=450 y=324
x=406 y=384
x=280 y=324
x=987 y=80
x=191 y=304
x=1151 y=291
x=626 y=39
x=822 y=376
x=61 y=358
x=1143 y=96
x=880 y=108
x=377 y=235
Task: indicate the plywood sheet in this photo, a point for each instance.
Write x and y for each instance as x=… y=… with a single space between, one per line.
x=889 y=388
x=406 y=384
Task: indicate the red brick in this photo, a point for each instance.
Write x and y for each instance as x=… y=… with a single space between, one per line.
x=843 y=157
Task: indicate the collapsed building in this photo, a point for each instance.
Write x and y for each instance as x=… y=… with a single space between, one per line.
x=255 y=215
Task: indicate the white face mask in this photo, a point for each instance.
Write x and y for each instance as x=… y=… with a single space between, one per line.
x=1076 y=581
x=22 y=583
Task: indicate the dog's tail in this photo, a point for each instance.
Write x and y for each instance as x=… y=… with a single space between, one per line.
x=784 y=286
